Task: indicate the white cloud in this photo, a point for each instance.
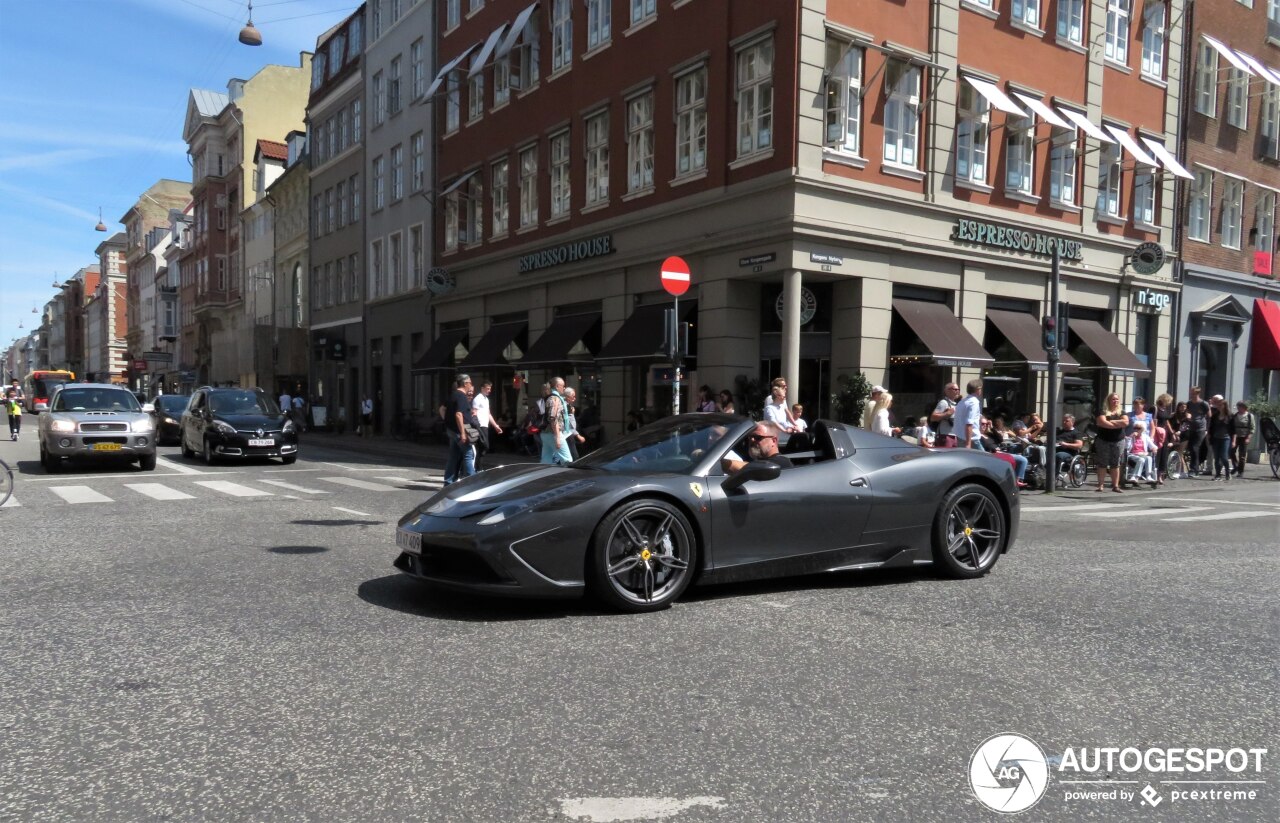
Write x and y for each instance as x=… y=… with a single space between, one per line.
x=89 y=138
x=46 y=158
x=48 y=202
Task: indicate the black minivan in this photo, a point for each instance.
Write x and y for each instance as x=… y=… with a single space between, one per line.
x=167 y=411
x=236 y=423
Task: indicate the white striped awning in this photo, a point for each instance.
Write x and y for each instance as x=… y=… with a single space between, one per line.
x=1166 y=158
x=482 y=56
x=1226 y=52
x=1131 y=146
x=1085 y=124
x=1272 y=76
x=1046 y=114
x=993 y=95
x=517 y=29
x=448 y=67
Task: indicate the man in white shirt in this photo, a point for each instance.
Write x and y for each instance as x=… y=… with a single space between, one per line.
x=968 y=418
x=480 y=407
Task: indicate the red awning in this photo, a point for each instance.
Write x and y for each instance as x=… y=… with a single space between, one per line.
x=1264 y=349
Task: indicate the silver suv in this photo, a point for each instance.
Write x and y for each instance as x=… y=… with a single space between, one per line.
x=96 y=421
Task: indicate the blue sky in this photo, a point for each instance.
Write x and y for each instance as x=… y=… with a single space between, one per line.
x=94 y=93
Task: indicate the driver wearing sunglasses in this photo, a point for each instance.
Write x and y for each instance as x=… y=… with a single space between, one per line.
x=762 y=444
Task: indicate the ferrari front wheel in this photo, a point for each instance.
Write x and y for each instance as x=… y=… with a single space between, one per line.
x=643 y=556
x=969 y=532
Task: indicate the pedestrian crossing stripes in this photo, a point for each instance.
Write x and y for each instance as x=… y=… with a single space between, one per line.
x=11 y=503
x=79 y=494
x=360 y=484
x=293 y=487
x=434 y=483
x=158 y=491
x=1075 y=508
x=233 y=489
x=1223 y=516
x=1145 y=513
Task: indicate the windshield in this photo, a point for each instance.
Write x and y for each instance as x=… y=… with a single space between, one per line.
x=172 y=403
x=119 y=400
x=45 y=385
x=675 y=444
x=241 y=402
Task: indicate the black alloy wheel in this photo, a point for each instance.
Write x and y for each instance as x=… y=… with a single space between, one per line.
x=643 y=556
x=969 y=532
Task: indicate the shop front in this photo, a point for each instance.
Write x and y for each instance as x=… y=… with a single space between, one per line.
x=1230 y=334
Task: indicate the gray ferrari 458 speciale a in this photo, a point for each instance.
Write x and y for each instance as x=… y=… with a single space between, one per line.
x=639 y=520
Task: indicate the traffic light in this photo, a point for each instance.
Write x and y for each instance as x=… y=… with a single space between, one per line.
x=1049 y=325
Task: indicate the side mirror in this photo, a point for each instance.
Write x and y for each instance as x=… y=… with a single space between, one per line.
x=755 y=470
x=148 y=408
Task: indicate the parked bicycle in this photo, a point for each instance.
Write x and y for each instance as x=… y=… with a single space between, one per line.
x=1271 y=434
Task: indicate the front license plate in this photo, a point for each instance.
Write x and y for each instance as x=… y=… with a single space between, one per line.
x=409 y=541
x=257 y=443
x=106 y=447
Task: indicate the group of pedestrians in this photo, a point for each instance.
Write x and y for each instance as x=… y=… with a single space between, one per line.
x=468 y=423
x=1209 y=431
x=294 y=406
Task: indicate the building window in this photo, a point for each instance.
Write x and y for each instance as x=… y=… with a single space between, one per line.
x=394 y=263
x=1026 y=12
x=379 y=182
x=342 y=203
x=691 y=122
x=561 y=34
x=397 y=172
x=1273 y=19
x=377 y=275
x=1109 y=180
x=340 y=276
x=416 y=258
x=452 y=103
x=1232 y=211
x=475 y=209
x=598 y=15
x=344 y=130
x=474 y=6
x=501 y=81
x=973 y=116
x=844 y=97
x=1237 y=98
x=560 y=175
x=1264 y=223
x=451 y=221
x=475 y=97
x=902 y=114
x=642 y=10
x=355 y=37
x=452 y=13
x=526 y=55
x=1117 y=45
x=375 y=27
x=640 y=143
x=417 y=59
x=357 y=126
x=597 y=129
x=1269 y=112
x=529 y=187
x=1071 y=21
x=755 y=98
x=1206 y=91
x=323 y=297
x=330 y=212
x=393 y=87
x=353 y=277
x=1062 y=167
x=1153 y=16
x=1144 y=195
x=417 y=159
x=1019 y=158
x=501 y=204
x=354 y=188
x=317 y=71
x=379 y=100
x=1200 y=207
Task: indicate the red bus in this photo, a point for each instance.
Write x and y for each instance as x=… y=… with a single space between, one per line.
x=39 y=385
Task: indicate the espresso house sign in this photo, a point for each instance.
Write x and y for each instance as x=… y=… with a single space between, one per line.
x=1007 y=237
x=572 y=252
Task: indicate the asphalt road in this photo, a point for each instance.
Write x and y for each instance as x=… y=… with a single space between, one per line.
x=232 y=643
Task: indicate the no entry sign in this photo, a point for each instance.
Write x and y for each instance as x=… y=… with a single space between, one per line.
x=675 y=276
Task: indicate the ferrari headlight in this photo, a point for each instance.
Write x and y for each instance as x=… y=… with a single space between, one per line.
x=62 y=426
x=499 y=514
x=223 y=428
x=143 y=425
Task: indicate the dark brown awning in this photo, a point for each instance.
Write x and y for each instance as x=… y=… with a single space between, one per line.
x=560 y=337
x=641 y=335
x=488 y=352
x=440 y=356
x=1023 y=332
x=1106 y=347
x=943 y=335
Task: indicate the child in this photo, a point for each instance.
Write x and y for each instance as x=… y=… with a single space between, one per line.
x=1141 y=449
x=15 y=413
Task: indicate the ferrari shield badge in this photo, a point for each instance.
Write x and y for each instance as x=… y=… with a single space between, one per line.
x=696 y=488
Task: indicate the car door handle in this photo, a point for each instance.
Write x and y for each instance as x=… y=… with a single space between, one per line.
x=859 y=482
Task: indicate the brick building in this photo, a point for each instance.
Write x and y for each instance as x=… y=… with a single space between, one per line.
x=1228 y=335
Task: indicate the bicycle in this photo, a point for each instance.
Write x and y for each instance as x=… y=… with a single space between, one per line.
x=6 y=482
x=1271 y=433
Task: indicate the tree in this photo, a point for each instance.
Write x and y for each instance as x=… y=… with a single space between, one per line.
x=850 y=398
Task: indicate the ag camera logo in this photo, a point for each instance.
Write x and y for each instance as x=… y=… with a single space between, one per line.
x=1008 y=773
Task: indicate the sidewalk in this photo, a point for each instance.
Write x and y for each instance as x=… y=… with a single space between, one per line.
x=429 y=455
x=1255 y=474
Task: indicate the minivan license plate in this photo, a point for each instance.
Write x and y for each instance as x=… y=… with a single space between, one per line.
x=409 y=541
x=259 y=443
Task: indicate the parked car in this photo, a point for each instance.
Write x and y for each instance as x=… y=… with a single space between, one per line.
x=96 y=421
x=236 y=423
x=167 y=412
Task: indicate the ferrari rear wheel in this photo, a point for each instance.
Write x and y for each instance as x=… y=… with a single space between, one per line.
x=643 y=556
x=969 y=532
